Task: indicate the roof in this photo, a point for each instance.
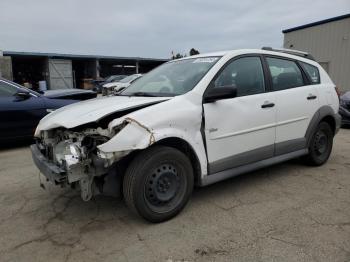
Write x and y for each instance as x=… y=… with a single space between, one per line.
x=237 y=52
x=333 y=19
x=39 y=54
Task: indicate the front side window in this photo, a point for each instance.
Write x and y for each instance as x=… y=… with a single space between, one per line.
x=172 y=78
x=246 y=74
x=285 y=74
x=312 y=72
x=7 y=90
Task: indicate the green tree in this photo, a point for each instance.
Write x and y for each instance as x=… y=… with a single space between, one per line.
x=178 y=55
x=194 y=52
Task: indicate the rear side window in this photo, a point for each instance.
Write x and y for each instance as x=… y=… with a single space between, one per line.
x=312 y=72
x=285 y=74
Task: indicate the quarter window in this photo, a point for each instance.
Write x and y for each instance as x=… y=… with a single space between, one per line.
x=312 y=72
x=285 y=74
x=7 y=90
x=246 y=74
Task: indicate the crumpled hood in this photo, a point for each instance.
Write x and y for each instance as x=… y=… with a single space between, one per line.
x=92 y=110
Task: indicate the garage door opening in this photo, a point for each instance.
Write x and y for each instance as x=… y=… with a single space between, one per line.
x=28 y=71
x=84 y=71
x=116 y=67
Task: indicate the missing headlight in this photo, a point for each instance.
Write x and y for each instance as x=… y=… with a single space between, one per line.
x=68 y=153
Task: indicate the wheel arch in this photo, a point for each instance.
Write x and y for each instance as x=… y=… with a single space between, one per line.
x=175 y=142
x=324 y=114
x=331 y=121
x=186 y=148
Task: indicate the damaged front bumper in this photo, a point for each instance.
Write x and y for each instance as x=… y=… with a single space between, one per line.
x=102 y=180
x=52 y=172
x=66 y=164
x=87 y=157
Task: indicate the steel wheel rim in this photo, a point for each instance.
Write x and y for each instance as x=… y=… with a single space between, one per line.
x=164 y=188
x=321 y=143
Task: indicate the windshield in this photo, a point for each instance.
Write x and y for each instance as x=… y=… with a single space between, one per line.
x=110 y=78
x=114 y=78
x=128 y=79
x=172 y=78
x=21 y=87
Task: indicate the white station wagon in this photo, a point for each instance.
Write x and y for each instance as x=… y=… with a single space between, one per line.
x=192 y=121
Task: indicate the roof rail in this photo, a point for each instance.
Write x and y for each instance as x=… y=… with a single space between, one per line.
x=290 y=51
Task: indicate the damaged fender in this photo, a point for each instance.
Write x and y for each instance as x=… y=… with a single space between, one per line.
x=136 y=135
x=133 y=136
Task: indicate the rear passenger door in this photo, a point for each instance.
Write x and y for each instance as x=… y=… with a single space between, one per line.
x=296 y=103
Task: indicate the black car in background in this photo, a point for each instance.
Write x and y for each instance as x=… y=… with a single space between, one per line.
x=73 y=93
x=344 y=109
x=21 y=109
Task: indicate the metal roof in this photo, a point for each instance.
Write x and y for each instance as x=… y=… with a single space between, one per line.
x=337 y=18
x=51 y=55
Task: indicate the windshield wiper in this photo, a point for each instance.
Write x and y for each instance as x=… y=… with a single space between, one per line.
x=142 y=94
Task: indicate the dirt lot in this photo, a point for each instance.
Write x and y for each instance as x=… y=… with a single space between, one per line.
x=287 y=212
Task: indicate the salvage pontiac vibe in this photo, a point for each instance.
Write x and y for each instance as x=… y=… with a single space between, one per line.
x=192 y=121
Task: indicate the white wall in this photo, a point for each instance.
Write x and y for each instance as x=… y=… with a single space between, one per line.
x=329 y=44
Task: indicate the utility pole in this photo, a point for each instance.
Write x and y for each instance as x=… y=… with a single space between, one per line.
x=137 y=67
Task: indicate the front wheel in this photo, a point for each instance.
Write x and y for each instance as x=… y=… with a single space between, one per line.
x=158 y=183
x=320 y=145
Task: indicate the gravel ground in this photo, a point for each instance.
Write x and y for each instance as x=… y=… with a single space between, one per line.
x=287 y=212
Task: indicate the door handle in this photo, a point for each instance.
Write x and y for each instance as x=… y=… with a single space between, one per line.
x=311 y=97
x=267 y=104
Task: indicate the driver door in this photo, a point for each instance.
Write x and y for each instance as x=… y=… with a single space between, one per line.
x=240 y=130
x=18 y=116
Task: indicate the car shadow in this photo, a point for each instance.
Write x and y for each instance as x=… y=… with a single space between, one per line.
x=116 y=208
x=251 y=179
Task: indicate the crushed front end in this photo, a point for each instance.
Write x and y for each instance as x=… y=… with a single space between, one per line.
x=67 y=157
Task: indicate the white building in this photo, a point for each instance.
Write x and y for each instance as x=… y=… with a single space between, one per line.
x=329 y=42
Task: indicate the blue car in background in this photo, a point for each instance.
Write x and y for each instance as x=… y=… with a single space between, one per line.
x=344 y=109
x=21 y=109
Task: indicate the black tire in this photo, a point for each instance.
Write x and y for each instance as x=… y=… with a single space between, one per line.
x=158 y=183
x=320 y=146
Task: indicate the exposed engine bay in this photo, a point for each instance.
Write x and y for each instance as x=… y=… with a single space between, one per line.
x=77 y=154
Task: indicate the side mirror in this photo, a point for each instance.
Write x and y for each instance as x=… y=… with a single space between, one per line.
x=23 y=95
x=218 y=93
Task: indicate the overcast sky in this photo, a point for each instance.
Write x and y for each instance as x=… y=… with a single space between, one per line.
x=154 y=28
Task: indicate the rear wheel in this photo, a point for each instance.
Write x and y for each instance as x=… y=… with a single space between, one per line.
x=158 y=183
x=321 y=145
